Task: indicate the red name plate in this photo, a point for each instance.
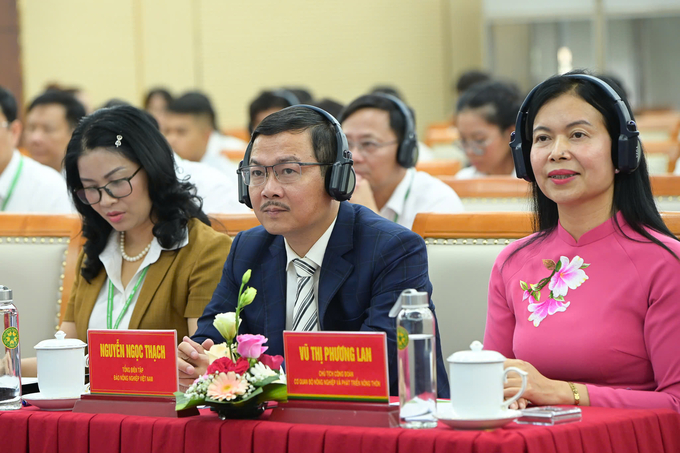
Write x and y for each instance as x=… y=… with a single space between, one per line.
x=336 y=365
x=133 y=362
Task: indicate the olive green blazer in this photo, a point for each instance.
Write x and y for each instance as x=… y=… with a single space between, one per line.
x=177 y=286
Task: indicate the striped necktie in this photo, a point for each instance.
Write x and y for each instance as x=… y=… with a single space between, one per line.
x=305 y=316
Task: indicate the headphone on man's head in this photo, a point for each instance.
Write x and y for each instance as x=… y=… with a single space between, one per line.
x=340 y=178
x=628 y=151
x=407 y=153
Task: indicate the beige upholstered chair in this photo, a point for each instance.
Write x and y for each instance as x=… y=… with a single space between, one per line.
x=232 y=224
x=35 y=253
x=461 y=251
x=494 y=193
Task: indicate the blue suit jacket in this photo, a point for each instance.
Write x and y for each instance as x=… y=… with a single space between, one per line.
x=369 y=261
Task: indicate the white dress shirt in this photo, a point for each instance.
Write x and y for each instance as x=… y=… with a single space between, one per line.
x=113 y=262
x=419 y=192
x=39 y=188
x=315 y=254
x=471 y=172
x=213 y=155
x=219 y=194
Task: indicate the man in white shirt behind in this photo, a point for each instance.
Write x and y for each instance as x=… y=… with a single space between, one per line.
x=191 y=129
x=380 y=130
x=26 y=185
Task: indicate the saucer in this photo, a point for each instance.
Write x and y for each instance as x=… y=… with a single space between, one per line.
x=448 y=417
x=50 y=404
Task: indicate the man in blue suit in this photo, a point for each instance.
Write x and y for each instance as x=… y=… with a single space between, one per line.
x=360 y=262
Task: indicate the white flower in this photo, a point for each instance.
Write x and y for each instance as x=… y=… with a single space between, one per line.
x=225 y=323
x=260 y=372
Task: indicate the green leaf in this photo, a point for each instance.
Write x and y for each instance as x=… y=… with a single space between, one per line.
x=266 y=381
x=559 y=298
x=584 y=266
x=558 y=266
x=274 y=392
x=523 y=285
x=182 y=402
x=239 y=403
x=537 y=295
x=535 y=287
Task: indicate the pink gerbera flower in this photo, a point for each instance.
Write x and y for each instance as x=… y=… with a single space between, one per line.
x=539 y=311
x=227 y=386
x=570 y=276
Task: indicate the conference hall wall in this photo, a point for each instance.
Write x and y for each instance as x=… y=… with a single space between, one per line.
x=231 y=49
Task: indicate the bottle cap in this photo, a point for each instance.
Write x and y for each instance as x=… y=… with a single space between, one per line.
x=5 y=294
x=410 y=298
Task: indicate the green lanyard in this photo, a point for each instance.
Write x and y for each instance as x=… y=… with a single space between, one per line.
x=109 y=307
x=408 y=192
x=14 y=183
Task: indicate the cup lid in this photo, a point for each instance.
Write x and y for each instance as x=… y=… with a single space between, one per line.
x=61 y=342
x=476 y=355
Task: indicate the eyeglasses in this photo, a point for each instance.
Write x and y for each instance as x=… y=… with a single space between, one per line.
x=285 y=172
x=120 y=188
x=477 y=147
x=368 y=147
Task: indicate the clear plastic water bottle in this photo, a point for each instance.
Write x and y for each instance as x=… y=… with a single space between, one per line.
x=416 y=346
x=10 y=361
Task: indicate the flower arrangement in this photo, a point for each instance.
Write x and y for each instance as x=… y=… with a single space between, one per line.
x=240 y=376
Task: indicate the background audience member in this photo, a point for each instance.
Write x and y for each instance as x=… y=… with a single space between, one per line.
x=141 y=227
x=384 y=159
x=50 y=121
x=191 y=130
x=331 y=106
x=588 y=305
x=470 y=78
x=268 y=102
x=485 y=117
x=25 y=185
x=156 y=103
x=424 y=152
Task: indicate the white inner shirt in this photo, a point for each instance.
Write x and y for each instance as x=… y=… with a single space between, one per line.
x=315 y=255
x=113 y=262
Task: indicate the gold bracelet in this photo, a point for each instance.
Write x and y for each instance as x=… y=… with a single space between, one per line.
x=577 y=397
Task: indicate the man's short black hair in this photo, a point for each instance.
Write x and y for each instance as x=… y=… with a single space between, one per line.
x=264 y=101
x=8 y=104
x=469 y=78
x=300 y=119
x=375 y=101
x=74 y=109
x=194 y=103
x=331 y=106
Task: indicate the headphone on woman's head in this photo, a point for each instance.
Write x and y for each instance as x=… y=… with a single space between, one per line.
x=628 y=151
x=340 y=178
x=407 y=153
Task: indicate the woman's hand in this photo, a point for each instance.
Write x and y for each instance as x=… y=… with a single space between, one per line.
x=540 y=390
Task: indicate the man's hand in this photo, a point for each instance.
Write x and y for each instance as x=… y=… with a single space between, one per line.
x=192 y=361
x=363 y=194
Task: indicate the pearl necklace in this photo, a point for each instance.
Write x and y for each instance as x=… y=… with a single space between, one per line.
x=133 y=258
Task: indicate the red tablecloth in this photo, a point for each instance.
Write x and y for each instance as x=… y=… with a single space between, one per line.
x=600 y=431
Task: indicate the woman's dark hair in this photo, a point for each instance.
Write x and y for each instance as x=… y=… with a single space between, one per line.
x=632 y=192
x=162 y=92
x=501 y=102
x=173 y=202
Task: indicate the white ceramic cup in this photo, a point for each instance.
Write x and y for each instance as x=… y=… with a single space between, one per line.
x=477 y=378
x=61 y=367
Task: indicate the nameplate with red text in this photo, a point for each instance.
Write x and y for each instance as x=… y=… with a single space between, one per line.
x=336 y=365
x=133 y=362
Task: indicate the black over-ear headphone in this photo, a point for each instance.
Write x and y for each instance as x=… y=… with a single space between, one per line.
x=407 y=153
x=628 y=151
x=340 y=178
